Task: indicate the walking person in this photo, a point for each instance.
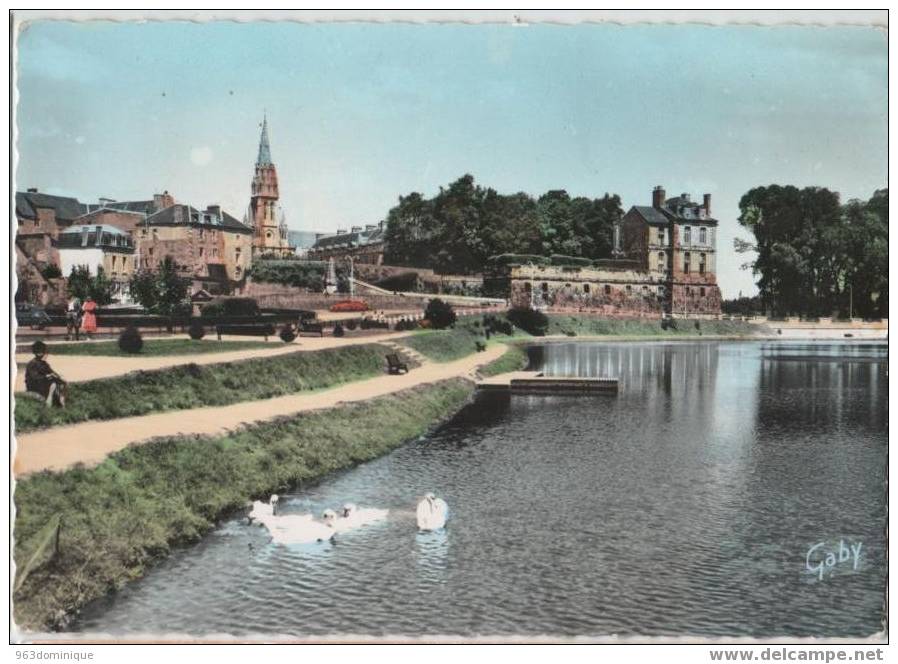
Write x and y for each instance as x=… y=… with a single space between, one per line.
x=89 y=318
x=72 y=318
x=41 y=379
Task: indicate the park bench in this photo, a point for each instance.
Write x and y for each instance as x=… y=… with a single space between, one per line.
x=394 y=365
x=247 y=330
x=311 y=328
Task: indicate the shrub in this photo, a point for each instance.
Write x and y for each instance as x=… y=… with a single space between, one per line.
x=570 y=261
x=351 y=325
x=404 y=325
x=338 y=330
x=288 y=334
x=196 y=330
x=130 y=340
x=349 y=306
x=51 y=271
x=440 y=314
x=518 y=259
x=531 y=321
x=493 y=325
x=212 y=310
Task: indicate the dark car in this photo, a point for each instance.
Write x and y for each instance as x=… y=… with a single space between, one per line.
x=31 y=316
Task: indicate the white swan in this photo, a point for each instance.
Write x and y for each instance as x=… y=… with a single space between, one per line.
x=432 y=513
x=352 y=517
x=261 y=512
x=298 y=529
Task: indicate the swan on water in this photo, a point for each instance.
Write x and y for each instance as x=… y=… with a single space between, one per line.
x=432 y=513
x=298 y=529
x=263 y=511
x=351 y=517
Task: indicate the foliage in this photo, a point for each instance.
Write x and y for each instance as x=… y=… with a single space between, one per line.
x=496 y=325
x=815 y=256
x=288 y=334
x=130 y=340
x=191 y=385
x=51 y=271
x=531 y=321
x=457 y=230
x=440 y=314
x=402 y=282
x=121 y=517
x=196 y=330
x=405 y=325
x=743 y=306
x=518 y=259
x=164 y=291
x=299 y=274
x=82 y=285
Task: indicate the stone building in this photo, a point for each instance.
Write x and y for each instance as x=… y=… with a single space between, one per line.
x=664 y=263
x=99 y=247
x=209 y=246
x=364 y=245
x=270 y=235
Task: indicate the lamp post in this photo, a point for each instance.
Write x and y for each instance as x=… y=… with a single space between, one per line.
x=351 y=277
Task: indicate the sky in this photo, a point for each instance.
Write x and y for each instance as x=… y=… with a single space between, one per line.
x=360 y=114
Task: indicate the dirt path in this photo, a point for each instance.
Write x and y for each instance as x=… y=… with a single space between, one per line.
x=79 y=368
x=90 y=442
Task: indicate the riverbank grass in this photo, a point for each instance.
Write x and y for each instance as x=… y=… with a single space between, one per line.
x=191 y=385
x=120 y=517
x=151 y=347
x=513 y=359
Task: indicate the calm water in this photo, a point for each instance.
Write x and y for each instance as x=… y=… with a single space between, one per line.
x=684 y=505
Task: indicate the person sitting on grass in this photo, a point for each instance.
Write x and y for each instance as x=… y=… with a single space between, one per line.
x=42 y=380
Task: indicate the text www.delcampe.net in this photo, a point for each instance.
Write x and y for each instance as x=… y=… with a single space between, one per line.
x=797 y=655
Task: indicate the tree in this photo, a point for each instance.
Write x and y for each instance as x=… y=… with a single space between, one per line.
x=82 y=285
x=101 y=288
x=440 y=314
x=162 y=292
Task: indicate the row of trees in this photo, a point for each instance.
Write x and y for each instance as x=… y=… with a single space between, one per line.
x=816 y=256
x=457 y=230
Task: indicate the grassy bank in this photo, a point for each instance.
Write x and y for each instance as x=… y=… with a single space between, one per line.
x=444 y=345
x=122 y=516
x=151 y=347
x=574 y=325
x=192 y=385
x=513 y=359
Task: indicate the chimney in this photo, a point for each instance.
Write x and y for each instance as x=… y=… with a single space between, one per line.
x=214 y=210
x=32 y=190
x=708 y=204
x=356 y=229
x=85 y=231
x=685 y=197
x=370 y=227
x=163 y=200
x=658 y=197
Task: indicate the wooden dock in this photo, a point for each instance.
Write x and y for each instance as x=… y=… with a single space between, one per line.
x=533 y=382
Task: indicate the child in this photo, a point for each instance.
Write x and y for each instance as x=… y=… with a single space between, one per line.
x=42 y=380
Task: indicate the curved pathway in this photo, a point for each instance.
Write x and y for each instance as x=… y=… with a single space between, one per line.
x=80 y=368
x=89 y=443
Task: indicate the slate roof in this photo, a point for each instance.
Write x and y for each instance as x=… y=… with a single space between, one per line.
x=356 y=239
x=180 y=213
x=142 y=207
x=670 y=212
x=67 y=208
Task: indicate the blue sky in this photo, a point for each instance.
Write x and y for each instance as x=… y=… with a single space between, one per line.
x=361 y=113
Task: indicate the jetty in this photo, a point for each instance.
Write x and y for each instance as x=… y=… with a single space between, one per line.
x=534 y=382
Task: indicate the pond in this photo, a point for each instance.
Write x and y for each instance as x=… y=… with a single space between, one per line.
x=702 y=499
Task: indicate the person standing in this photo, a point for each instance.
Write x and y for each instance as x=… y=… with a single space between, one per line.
x=42 y=380
x=89 y=318
x=72 y=318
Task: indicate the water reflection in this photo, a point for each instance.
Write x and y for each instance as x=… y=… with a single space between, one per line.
x=686 y=504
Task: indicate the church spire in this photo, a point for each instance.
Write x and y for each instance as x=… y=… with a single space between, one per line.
x=264 y=158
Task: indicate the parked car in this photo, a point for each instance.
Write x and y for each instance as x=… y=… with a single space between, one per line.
x=31 y=316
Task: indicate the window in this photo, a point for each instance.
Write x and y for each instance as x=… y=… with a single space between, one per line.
x=607 y=289
x=701 y=263
x=645 y=290
x=686 y=263
x=660 y=236
x=703 y=235
x=527 y=287
x=202 y=233
x=701 y=291
x=585 y=288
x=202 y=250
x=662 y=261
x=143 y=232
x=687 y=236
x=629 y=289
x=150 y=251
x=113 y=263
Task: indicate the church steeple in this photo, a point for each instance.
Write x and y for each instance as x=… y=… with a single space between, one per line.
x=264 y=158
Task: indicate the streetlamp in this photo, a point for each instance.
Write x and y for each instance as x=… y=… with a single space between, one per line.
x=351 y=277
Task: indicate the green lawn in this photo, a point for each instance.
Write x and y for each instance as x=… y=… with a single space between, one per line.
x=193 y=385
x=513 y=359
x=120 y=517
x=151 y=347
x=574 y=325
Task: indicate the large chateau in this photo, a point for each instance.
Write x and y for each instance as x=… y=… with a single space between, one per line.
x=664 y=263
